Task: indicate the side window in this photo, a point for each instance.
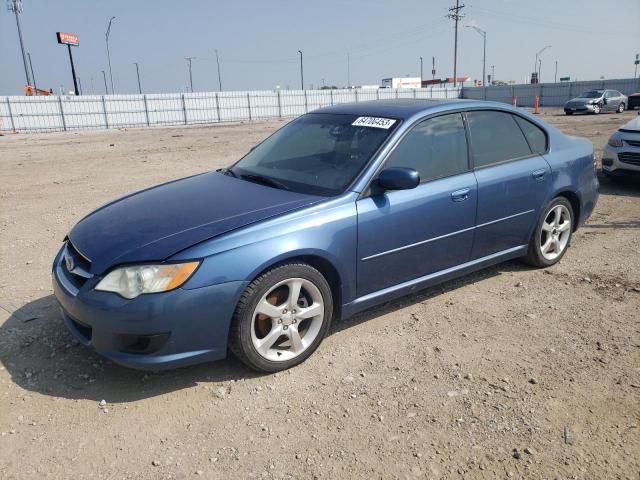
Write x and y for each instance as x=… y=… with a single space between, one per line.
x=534 y=134
x=436 y=148
x=495 y=137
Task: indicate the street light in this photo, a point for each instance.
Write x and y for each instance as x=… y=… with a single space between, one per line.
x=189 y=59
x=219 y=77
x=301 y=71
x=535 y=65
x=138 y=74
x=15 y=6
x=106 y=35
x=104 y=76
x=484 y=51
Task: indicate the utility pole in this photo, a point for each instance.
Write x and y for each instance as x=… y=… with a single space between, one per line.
x=33 y=77
x=138 y=74
x=433 y=68
x=301 y=71
x=555 y=76
x=106 y=35
x=493 y=75
x=15 y=6
x=219 y=77
x=188 y=59
x=456 y=16
x=104 y=76
x=421 y=76
x=484 y=51
x=536 y=65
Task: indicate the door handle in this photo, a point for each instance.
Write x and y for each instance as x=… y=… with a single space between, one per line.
x=538 y=174
x=460 y=195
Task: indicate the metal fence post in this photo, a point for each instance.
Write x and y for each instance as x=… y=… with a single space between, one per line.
x=218 y=106
x=414 y=93
x=279 y=105
x=104 y=111
x=64 y=124
x=249 y=105
x=541 y=89
x=13 y=126
x=396 y=93
x=146 y=109
x=331 y=93
x=184 y=108
x=356 y=92
x=306 y=105
x=377 y=94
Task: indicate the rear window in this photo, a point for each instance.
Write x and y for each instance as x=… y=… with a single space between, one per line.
x=495 y=138
x=535 y=135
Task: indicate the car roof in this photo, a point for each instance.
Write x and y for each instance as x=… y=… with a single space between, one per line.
x=402 y=108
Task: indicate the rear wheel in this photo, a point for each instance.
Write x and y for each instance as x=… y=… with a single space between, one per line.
x=552 y=235
x=568 y=113
x=281 y=318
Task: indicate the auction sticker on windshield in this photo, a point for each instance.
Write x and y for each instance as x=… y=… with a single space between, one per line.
x=375 y=122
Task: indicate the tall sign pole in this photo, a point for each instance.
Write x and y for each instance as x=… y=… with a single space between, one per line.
x=15 y=6
x=106 y=36
x=70 y=40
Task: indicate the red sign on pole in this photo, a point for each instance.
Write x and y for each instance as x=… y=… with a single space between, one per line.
x=68 y=38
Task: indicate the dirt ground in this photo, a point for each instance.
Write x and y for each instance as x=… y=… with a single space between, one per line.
x=511 y=372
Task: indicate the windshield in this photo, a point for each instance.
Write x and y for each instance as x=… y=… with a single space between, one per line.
x=317 y=153
x=592 y=94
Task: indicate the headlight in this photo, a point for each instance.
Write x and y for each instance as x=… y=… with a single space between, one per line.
x=134 y=280
x=615 y=142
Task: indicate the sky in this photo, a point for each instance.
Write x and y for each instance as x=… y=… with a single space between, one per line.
x=258 y=41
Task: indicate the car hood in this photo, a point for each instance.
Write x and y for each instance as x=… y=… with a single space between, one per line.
x=632 y=126
x=156 y=223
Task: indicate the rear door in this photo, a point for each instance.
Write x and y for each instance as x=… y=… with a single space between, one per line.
x=406 y=234
x=513 y=179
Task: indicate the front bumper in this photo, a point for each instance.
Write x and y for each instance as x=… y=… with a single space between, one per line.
x=153 y=331
x=579 y=108
x=621 y=161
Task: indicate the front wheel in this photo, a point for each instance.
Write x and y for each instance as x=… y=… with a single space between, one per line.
x=596 y=109
x=281 y=318
x=551 y=237
x=621 y=107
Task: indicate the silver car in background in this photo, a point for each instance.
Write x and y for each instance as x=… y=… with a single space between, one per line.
x=621 y=154
x=596 y=101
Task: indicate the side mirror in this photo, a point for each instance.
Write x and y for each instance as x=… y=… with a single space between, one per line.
x=398 y=178
x=604 y=100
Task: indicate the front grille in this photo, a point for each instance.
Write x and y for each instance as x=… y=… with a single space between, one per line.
x=79 y=274
x=632 y=158
x=633 y=143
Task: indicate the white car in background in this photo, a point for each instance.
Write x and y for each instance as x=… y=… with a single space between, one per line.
x=621 y=154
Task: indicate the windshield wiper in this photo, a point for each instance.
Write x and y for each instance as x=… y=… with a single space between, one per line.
x=226 y=171
x=252 y=177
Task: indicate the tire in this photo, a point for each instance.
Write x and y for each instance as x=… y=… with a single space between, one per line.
x=283 y=337
x=546 y=230
x=597 y=109
x=621 y=107
x=568 y=113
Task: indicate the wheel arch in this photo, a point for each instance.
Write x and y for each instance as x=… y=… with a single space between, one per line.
x=321 y=263
x=574 y=200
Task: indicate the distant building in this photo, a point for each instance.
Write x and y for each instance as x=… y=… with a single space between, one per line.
x=401 y=82
x=448 y=82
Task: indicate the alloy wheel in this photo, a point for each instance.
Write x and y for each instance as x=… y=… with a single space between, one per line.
x=621 y=108
x=287 y=319
x=555 y=232
x=596 y=109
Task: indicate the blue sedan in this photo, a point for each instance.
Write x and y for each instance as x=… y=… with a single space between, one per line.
x=340 y=210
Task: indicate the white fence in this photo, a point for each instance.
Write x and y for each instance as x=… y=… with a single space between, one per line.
x=61 y=113
x=549 y=94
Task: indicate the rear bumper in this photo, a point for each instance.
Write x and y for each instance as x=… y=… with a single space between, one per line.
x=154 y=331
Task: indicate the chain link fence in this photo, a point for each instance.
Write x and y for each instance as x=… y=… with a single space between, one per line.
x=62 y=113
x=550 y=94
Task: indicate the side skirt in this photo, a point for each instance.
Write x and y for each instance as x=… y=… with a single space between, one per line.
x=420 y=283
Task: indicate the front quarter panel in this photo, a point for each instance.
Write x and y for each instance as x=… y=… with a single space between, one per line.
x=327 y=231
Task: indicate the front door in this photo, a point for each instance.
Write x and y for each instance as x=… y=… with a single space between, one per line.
x=406 y=234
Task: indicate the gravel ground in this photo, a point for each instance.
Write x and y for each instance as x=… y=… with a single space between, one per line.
x=507 y=373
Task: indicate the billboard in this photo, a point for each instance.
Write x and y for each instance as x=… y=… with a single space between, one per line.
x=68 y=38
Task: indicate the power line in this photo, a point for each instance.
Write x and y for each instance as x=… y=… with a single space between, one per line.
x=456 y=16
